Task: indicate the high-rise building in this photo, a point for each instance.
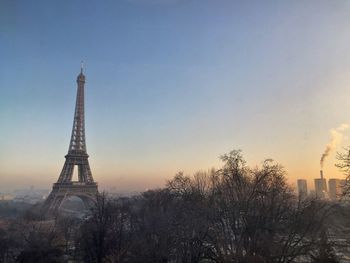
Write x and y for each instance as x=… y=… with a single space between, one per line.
x=335 y=187
x=302 y=188
x=321 y=186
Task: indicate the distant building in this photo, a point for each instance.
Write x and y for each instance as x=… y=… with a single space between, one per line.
x=321 y=186
x=6 y=197
x=335 y=187
x=302 y=188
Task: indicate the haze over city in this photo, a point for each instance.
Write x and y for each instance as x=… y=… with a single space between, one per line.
x=172 y=85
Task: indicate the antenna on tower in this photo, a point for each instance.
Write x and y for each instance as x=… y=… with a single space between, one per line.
x=81 y=66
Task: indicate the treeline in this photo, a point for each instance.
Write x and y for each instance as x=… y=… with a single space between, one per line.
x=235 y=214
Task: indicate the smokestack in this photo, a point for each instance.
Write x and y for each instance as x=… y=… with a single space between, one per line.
x=321 y=173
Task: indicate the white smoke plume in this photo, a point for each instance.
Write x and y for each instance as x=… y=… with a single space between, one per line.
x=336 y=138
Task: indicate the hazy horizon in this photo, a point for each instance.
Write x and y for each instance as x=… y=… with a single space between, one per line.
x=172 y=85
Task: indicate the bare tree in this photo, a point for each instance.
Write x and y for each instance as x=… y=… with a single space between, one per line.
x=344 y=166
x=152 y=226
x=68 y=227
x=40 y=242
x=254 y=214
x=234 y=214
x=104 y=235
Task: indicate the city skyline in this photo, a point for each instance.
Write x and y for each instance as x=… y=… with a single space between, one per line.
x=171 y=89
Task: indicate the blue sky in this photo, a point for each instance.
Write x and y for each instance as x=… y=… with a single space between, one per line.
x=171 y=85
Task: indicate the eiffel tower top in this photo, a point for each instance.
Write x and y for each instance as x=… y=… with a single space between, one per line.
x=81 y=76
x=77 y=143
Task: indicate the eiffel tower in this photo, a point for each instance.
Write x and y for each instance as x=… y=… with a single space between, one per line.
x=77 y=157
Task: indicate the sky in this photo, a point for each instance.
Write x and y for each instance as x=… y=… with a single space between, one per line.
x=172 y=85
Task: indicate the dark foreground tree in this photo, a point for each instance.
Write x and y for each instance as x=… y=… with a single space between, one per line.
x=324 y=252
x=250 y=214
x=104 y=236
x=235 y=214
x=7 y=246
x=344 y=166
x=40 y=243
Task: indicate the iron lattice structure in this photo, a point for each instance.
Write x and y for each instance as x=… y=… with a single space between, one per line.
x=77 y=157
